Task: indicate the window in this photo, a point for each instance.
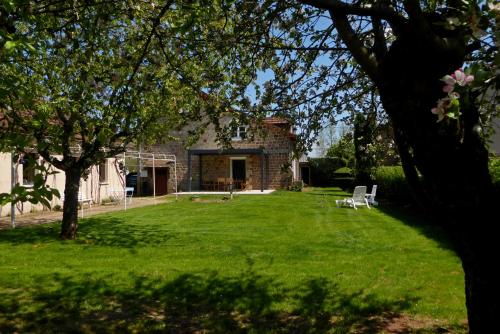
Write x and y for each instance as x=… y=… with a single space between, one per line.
x=239 y=133
x=103 y=173
x=28 y=163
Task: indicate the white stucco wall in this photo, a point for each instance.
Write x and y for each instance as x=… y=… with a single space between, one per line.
x=90 y=187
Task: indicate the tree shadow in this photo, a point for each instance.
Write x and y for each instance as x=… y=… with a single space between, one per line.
x=194 y=303
x=410 y=216
x=94 y=231
x=114 y=232
x=31 y=234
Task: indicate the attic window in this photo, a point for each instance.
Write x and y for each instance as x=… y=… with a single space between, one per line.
x=239 y=133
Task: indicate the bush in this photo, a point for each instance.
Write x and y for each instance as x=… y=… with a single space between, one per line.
x=392 y=185
x=296 y=186
x=494 y=166
x=323 y=171
x=195 y=198
x=343 y=172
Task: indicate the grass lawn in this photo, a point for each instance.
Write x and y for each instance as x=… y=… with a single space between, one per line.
x=281 y=263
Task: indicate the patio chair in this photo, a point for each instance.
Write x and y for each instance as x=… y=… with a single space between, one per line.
x=221 y=184
x=358 y=198
x=371 y=197
x=129 y=193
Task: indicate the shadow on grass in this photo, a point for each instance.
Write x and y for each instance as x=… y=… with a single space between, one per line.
x=100 y=231
x=192 y=303
x=31 y=234
x=410 y=216
x=110 y=231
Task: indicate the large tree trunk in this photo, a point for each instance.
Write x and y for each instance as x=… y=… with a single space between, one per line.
x=70 y=209
x=446 y=164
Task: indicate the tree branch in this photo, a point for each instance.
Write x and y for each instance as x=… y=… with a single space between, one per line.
x=383 y=12
x=156 y=23
x=380 y=43
x=360 y=53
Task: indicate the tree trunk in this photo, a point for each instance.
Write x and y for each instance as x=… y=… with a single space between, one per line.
x=364 y=128
x=70 y=209
x=447 y=166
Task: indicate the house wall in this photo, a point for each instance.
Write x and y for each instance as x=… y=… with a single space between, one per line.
x=90 y=187
x=275 y=141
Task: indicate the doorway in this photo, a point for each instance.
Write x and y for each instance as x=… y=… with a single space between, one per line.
x=238 y=171
x=161 y=180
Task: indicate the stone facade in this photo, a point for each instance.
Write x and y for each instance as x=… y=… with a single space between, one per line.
x=274 y=138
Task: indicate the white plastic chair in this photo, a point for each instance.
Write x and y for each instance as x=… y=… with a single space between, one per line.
x=358 y=198
x=129 y=192
x=81 y=200
x=371 y=197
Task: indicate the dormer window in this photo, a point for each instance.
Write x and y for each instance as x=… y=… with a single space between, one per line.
x=240 y=133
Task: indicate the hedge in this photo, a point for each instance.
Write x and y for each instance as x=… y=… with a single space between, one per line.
x=392 y=185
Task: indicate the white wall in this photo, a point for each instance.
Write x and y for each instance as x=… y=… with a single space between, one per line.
x=90 y=187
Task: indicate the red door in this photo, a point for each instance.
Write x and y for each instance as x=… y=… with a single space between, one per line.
x=161 y=180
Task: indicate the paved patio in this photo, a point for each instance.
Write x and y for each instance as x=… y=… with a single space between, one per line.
x=44 y=217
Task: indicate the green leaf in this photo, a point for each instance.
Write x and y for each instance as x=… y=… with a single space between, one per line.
x=9 y=45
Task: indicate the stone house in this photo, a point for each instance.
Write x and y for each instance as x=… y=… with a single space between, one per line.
x=259 y=160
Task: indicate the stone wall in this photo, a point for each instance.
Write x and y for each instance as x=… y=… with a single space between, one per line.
x=275 y=140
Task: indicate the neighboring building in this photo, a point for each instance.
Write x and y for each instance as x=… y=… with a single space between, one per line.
x=101 y=182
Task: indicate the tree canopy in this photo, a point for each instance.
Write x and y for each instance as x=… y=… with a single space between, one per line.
x=82 y=81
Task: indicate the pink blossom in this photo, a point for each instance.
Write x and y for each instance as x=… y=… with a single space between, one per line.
x=441 y=107
x=449 y=80
x=461 y=78
x=458 y=77
x=448 y=88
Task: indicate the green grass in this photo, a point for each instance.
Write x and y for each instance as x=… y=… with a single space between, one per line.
x=287 y=262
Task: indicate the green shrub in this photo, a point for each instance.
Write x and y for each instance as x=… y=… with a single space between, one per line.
x=296 y=186
x=494 y=166
x=343 y=171
x=344 y=178
x=392 y=185
x=323 y=171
